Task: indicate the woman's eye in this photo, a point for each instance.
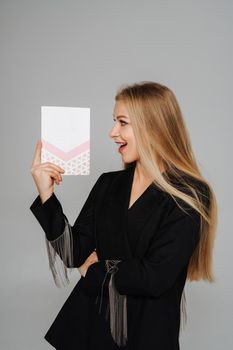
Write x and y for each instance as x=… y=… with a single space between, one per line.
x=121 y=121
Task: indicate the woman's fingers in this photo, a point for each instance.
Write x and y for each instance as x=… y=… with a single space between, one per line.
x=37 y=159
x=45 y=174
x=54 y=174
x=53 y=171
x=54 y=166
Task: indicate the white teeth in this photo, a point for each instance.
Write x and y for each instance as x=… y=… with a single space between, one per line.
x=121 y=143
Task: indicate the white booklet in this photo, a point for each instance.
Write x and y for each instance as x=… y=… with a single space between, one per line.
x=65 y=136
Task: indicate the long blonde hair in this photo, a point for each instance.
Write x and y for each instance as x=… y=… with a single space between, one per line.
x=161 y=137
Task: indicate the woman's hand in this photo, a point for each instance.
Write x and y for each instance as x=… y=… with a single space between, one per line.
x=44 y=174
x=93 y=258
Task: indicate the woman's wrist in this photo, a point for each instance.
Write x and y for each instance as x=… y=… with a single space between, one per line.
x=84 y=267
x=83 y=270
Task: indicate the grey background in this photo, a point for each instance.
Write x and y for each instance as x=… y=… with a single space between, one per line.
x=77 y=53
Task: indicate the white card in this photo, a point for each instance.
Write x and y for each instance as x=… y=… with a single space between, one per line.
x=65 y=136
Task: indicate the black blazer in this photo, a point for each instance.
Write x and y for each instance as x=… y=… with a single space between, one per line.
x=152 y=279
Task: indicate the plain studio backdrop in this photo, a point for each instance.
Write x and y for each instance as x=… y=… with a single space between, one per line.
x=77 y=53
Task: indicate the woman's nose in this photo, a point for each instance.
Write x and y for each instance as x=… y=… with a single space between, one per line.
x=114 y=131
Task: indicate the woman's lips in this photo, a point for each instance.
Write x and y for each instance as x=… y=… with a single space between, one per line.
x=122 y=148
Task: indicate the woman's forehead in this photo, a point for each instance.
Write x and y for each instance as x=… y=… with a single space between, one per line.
x=120 y=110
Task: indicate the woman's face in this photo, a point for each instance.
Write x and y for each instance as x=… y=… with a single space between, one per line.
x=122 y=132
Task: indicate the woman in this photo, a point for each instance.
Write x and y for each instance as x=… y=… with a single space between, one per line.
x=142 y=232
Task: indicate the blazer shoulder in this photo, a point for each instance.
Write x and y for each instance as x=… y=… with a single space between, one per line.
x=113 y=174
x=107 y=178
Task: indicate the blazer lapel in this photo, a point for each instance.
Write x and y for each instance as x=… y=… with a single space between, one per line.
x=111 y=218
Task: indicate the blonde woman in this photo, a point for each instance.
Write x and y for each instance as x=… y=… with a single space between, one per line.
x=142 y=232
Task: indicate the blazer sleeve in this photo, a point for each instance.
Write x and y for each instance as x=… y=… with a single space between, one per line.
x=168 y=253
x=73 y=244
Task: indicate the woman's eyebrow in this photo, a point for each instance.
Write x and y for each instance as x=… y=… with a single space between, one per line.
x=120 y=116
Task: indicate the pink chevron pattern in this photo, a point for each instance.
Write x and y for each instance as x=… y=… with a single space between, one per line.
x=66 y=156
x=74 y=162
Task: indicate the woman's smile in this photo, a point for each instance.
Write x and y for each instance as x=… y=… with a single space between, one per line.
x=122 y=146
